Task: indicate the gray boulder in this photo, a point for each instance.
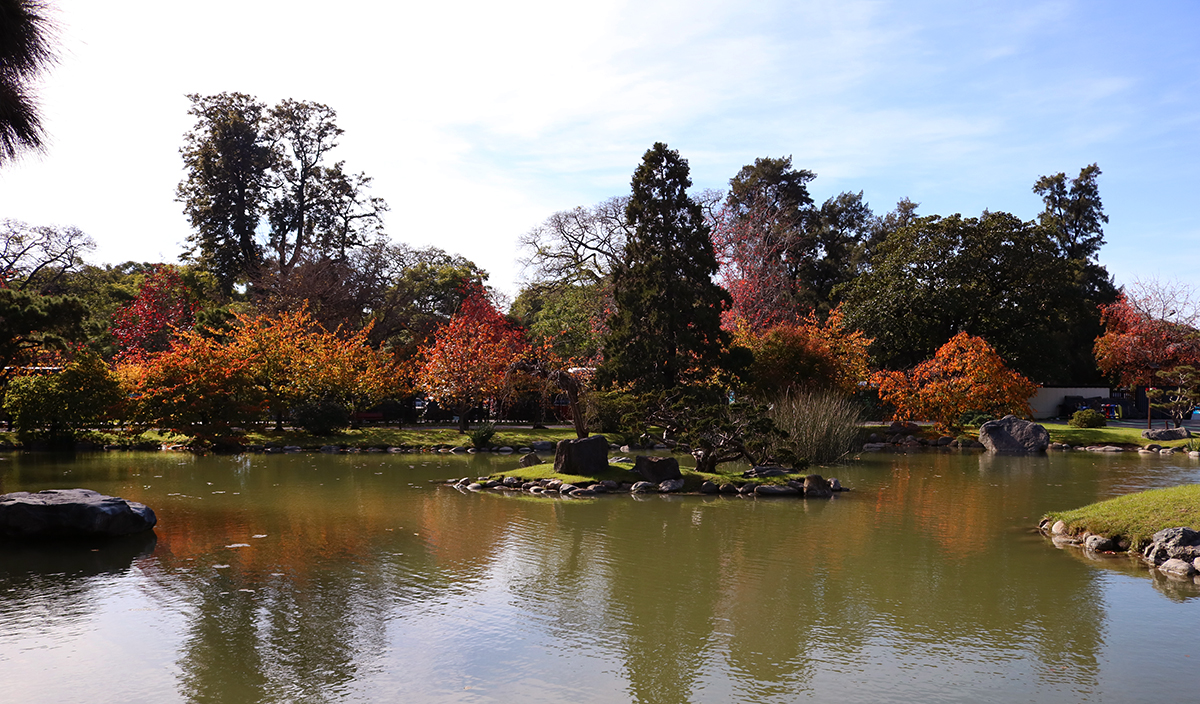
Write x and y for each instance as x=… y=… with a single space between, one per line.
x=1166 y=434
x=774 y=490
x=587 y=456
x=657 y=469
x=670 y=485
x=643 y=487
x=71 y=513
x=530 y=460
x=1181 y=543
x=1012 y=435
x=816 y=487
x=1099 y=543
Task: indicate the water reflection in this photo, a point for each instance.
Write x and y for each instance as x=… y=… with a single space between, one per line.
x=300 y=578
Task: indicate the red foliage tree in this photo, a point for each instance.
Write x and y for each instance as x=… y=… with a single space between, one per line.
x=163 y=306
x=1147 y=332
x=965 y=375
x=752 y=252
x=470 y=356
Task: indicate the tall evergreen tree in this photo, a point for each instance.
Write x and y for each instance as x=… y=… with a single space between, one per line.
x=667 y=326
x=227 y=158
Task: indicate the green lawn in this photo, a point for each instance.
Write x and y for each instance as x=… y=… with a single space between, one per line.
x=620 y=472
x=1138 y=516
x=1061 y=432
x=406 y=437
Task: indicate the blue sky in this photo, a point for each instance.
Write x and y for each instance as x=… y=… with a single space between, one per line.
x=478 y=120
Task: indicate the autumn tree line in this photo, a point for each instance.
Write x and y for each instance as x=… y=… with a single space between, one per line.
x=663 y=308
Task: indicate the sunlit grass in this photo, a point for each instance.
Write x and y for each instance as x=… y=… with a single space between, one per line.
x=1136 y=517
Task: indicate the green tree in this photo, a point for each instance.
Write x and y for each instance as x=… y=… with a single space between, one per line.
x=29 y=323
x=1075 y=215
x=25 y=51
x=1074 y=212
x=667 y=324
x=413 y=292
x=993 y=276
x=246 y=162
x=227 y=157
x=83 y=394
x=316 y=210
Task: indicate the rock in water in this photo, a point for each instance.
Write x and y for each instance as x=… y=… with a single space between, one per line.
x=530 y=460
x=657 y=469
x=1012 y=435
x=71 y=513
x=584 y=456
x=1166 y=434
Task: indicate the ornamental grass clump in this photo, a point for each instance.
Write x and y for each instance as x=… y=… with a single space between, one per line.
x=822 y=425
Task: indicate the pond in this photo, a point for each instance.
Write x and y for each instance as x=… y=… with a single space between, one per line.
x=353 y=578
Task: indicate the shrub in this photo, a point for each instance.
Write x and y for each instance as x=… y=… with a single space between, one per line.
x=1087 y=418
x=55 y=406
x=611 y=412
x=974 y=419
x=481 y=436
x=822 y=426
x=322 y=416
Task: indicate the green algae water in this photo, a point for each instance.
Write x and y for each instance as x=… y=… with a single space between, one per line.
x=353 y=578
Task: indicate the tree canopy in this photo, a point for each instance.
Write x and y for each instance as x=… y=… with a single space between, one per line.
x=667 y=324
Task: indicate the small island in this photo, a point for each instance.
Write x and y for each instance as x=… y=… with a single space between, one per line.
x=1160 y=525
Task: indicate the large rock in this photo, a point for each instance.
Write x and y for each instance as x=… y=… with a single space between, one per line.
x=657 y=469
x=530 y=460
x=1173 y=543
x=816 y=487
x=585 y=456
x=71 y=513
x=1010 y=434
x=1166 y=434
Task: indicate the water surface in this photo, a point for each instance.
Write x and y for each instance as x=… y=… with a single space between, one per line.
x=286 y=578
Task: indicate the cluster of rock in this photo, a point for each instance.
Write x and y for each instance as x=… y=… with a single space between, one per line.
x=812 y=486
x=1151 y=449
x=1173 y=551
x=1091 y=541
x=71 y=513
x=902 y=435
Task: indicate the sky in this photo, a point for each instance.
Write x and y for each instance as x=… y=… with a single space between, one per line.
x=478 y=120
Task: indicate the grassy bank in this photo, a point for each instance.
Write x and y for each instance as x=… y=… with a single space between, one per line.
x=1136 y=517
x=405 y=437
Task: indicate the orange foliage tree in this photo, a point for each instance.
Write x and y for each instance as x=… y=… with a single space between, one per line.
x=965 y=375
x=469 y=357
x=197 y=386
x=808 y=353
x=294 y=361
x=203 y=386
